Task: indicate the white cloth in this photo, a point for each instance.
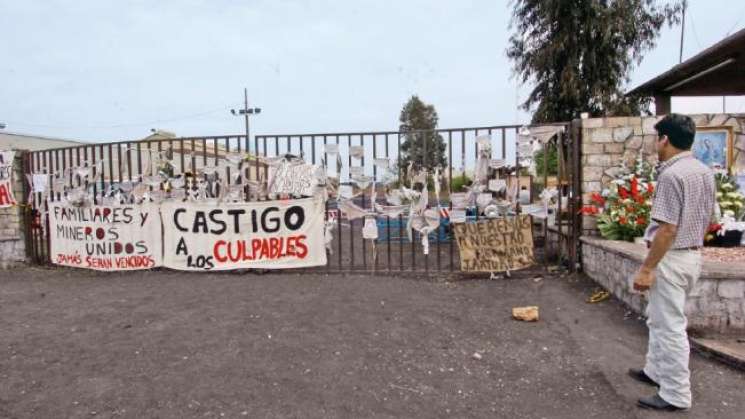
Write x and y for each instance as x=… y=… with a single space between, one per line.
x=668 y=350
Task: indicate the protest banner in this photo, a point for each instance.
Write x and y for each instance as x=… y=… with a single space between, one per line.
x=293 y=179
x=6 y=179
x=495 y=245
x=262 y=234
x=105 y=238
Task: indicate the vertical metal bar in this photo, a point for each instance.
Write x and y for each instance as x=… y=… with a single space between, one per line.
x=426 y=181
x=364 y=242
x=518 y=207
x=111 y=165
x=387 y=218
x=338 y=212
x=47 y=248
x=450 y=195
x=373 y=198
x=227 y=150
x=400 y=216
x=351 y=222
x=313 y=148
x=504 y=144
x=129 y=161
x=139 y=162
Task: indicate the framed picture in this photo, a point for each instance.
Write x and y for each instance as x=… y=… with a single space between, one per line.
x=713 y=146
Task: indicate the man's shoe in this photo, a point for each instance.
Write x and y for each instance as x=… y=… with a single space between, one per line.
x=657 y=403
x=640 y=375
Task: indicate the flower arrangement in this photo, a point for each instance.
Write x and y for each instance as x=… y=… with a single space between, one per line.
x=623 y=209
x=727 y=230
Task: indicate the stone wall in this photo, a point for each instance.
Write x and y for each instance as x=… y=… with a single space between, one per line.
x=606 y=142
x=12 y=232
x=716 y=303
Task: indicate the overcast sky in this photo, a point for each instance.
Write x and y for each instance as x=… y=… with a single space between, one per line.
x=111 y=70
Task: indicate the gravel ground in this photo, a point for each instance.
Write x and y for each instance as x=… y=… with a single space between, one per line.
x=78 y=344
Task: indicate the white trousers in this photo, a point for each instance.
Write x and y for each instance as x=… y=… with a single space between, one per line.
x=668 y=350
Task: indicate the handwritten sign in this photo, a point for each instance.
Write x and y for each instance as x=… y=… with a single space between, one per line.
x=105 y=238
x=6 y=179
x=261 y=234
x=293 y=179
x=495 y=245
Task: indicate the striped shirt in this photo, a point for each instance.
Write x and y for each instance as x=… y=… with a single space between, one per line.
x=685 y=196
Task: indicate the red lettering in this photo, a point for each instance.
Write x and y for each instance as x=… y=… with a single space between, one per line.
x=4 y=195
x=302 y=248
x=216 y=253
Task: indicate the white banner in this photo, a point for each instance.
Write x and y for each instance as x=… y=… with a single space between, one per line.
x=105 y=238
x=6 y=179
x=265 y=234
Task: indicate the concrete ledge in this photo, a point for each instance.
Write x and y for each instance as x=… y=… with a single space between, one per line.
x=637 y=253
x=716 y=303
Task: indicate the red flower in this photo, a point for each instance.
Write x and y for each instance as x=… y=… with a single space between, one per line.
x=634 y=187
x=713 y=228
x=622 y=192
x=639 y=199
x=650 y=188
x=622 y=220
x=597 y=199
x=589 y=210
x=641 y=221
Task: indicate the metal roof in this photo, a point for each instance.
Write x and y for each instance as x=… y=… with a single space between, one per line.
x=717 y=71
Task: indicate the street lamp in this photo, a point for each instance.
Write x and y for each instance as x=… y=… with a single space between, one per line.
x=246 y=111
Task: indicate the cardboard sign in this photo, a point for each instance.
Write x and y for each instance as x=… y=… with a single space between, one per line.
x=105 y=238
x=357 y=151
x=495 y=245
x=264 y=234
x=6 y=179
x=382 y=163
x=293 y=179
x=459 y=199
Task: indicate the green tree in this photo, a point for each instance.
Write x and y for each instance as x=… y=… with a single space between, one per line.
x=553 y=162
x=421 y=145
x=577 y=54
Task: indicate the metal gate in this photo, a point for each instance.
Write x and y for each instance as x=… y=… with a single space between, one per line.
x=121 y=162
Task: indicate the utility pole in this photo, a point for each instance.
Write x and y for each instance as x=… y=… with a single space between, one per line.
x=246 y=111
x=682 y=31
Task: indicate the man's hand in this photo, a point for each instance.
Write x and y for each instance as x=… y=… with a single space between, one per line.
x=644 y=279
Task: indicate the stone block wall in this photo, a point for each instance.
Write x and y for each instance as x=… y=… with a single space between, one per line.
x=716 y=303
x=606 y=142
x=12 y=228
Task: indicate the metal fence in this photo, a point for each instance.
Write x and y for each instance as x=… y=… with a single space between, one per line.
x=121 y=162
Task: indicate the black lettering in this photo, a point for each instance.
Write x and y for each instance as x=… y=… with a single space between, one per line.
x=217 y=221
x=296 y=210
x=236 y=213
x=175 y=219
x=273 y=220
x=200 y=221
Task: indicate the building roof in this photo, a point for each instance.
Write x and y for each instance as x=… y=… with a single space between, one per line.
x=717 y=71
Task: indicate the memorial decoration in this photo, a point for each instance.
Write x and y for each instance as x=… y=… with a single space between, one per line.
x=107 y=238
x=623 y=208
x=495 y=245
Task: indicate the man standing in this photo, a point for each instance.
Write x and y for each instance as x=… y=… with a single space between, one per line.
x=682 y=208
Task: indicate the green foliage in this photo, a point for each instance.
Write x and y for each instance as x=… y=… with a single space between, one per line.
x=460 y=182
x=578 y=54
x=553 y=162
x=421 y=145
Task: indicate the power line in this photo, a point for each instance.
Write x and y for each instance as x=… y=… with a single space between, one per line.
x=737 y=22
x=123 y=125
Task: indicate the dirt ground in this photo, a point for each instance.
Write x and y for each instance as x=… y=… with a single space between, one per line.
x=78 y=344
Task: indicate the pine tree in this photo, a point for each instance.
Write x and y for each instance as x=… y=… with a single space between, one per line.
x=577 y=54
x=421 y=145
